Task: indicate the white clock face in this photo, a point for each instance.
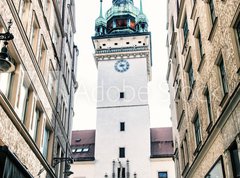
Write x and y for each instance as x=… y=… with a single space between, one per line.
x=121 y=65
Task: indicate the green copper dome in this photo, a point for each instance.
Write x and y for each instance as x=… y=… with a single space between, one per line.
x=122 y=17
x=123 y=9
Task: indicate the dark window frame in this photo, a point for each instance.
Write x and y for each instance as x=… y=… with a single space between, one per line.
x=234 y=159
x=122 y=152
x=200 y=45
x=208 y=103
x=190 y=72
x=223 y=76
x=163 y=176
x=121 y=95
x=197 y=129
x=122 y=126
x=185 y=28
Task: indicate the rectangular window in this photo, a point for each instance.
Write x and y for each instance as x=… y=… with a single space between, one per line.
x=183 y=162
x=209 y=108
x=37 y=115
x=217 y=170
x=212 y=11
x=23 y=101
x=6 y=80
x=121 y=95
x=34 y=33
x=185 y=29
x=122 y=126
x=121 y=172
x=235 y=160
x=42 y=54
x=24 y=7
x=46 y=139
x=200 y=44
x=190 y=75
x=223 y=76
x=162 y=175
x=122 y=152
x=197 y=129
x=185 y=146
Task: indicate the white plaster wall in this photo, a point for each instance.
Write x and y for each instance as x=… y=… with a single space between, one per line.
x=162 y=165
x=83 y=169
x=132 y=82
x=135 y=139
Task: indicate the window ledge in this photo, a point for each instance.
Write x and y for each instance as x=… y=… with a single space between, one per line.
x=191 y=90
x=185 y=44
x=210 y=127
x=224 y=99
x=199 y=146
x=213 y=30
x=201 y=63
x=185 y=169
x=181 y=119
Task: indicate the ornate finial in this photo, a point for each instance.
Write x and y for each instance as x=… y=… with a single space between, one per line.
x=9 y=24
x=101 y=8
x=141 y=8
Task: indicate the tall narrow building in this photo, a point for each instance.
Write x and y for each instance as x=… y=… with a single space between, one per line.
x=123 y=57
x=203 y=77
x=124 y=146
x=36 y=99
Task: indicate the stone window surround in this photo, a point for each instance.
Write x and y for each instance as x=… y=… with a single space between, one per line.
x=219 y=60
x=236 y=43
x=42 y=54
x=208 y=106
x=198 y=146
x=23 y=11
x=187 y=64
x=213 y=21
x=201 y=54
x=34 y=32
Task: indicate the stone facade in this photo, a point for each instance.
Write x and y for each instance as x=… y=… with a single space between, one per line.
x=203 y=77
x=33 y=124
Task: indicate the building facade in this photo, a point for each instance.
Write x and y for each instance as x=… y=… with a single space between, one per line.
x=203 y=77
x=161 y=159
x=122 y=144
x=35 y=126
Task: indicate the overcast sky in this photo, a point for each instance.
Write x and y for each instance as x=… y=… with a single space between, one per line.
x=85 y=97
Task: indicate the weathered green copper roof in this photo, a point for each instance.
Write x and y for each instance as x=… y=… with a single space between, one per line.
x=122 y=9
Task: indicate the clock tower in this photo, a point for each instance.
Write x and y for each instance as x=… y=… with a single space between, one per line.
x=122 y=46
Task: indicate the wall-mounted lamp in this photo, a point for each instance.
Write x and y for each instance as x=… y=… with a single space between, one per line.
x=67 y=161
x=5 y=63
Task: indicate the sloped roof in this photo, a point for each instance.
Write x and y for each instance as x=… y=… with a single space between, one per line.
x=161 y=143
x=83 y=145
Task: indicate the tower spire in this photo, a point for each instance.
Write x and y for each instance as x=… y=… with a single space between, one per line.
x=141 y=8
x=100 y=15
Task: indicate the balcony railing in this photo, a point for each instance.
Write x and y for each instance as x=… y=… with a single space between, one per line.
x=126 y=49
